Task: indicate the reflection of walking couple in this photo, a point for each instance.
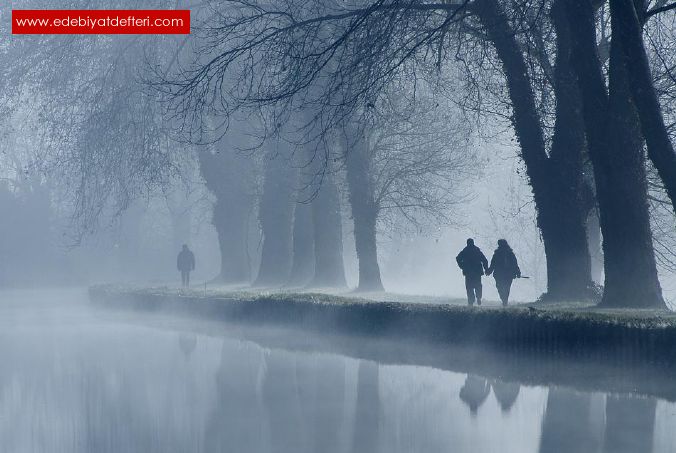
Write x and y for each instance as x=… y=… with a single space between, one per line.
x=474 y=264
x=476 y=389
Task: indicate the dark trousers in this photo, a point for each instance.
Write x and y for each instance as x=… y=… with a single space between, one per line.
x=185 y=278
x=473 y=287
x=504 y=285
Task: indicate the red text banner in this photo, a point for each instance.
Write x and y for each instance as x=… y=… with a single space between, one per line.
x=92 y=22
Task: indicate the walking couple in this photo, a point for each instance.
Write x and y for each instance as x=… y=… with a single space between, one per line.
x=474 y=264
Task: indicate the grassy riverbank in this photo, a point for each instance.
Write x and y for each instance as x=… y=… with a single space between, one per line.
x=542 y=328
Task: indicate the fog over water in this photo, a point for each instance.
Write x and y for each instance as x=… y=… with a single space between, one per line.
x=488 y=186
x=77 y=378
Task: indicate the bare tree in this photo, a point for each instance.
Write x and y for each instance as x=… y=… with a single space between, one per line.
x=405 y=164
x=629 y=32
x=339 y=58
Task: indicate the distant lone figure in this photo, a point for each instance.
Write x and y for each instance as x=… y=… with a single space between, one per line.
x=185 y=263
x=504 y=268
x=473 y=264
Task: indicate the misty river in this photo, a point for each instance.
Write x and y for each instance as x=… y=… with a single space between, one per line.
x=79 y=378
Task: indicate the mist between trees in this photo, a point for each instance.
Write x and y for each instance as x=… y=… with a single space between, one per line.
x=311 y=134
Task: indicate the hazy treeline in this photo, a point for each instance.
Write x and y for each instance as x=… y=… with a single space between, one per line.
x=318 y=125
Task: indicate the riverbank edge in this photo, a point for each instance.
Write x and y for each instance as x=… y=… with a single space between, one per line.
x=626 y=337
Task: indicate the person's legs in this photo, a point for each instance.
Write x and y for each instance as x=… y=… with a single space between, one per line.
x=184 y=278
x=187 y=279
x=478 y=289
x=469 y=286
x=503 y=290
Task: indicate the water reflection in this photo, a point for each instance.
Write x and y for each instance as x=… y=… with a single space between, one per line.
x=367 y=413
x=630 y=424
x=187 y=343
x=235 y=414
x=506 y=393
x=76 y=381
x=474 y=392
x=567 y=425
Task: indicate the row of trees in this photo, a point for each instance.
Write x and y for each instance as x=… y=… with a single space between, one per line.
x=294 y=109
x=406 y=172
x=102 y=130
x=581 y=108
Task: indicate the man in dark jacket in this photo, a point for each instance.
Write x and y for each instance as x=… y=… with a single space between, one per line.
x=504 y=268
x=185 y=263
x=473 y=264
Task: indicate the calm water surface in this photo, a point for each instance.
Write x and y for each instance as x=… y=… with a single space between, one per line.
x=74 y=378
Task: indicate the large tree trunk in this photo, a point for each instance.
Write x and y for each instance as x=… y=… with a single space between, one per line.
x=328 y=236
x=231 y=220
x=616 y=153
x=563 y=226
x=563 y=217
x=595 y=248
x=318 y=238
x=303 y=267
x=557 y=180
x=276 y=219
x=660 y=148
x=631 y=271
x=180 y=216
x=364 y=214
x=129 y=240
x=229 y=177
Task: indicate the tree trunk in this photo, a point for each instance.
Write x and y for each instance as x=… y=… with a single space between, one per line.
x=303 y=267
x=276 y=219
x=557 y=180
x=563 y=217
x=595 y=250
x=229 y=178
x=616 y=153
x=129 y=242
x=660 y=148
x=568 y=260
x=181 y=218
x=364 y=214
x=231 y=222
x=631 y=271
x=328 y=236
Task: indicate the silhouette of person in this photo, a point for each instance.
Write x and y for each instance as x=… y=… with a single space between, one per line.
x=473 y=264
x=185 y=264
x=506 y=393
x=504 y=268
x=474 y=392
